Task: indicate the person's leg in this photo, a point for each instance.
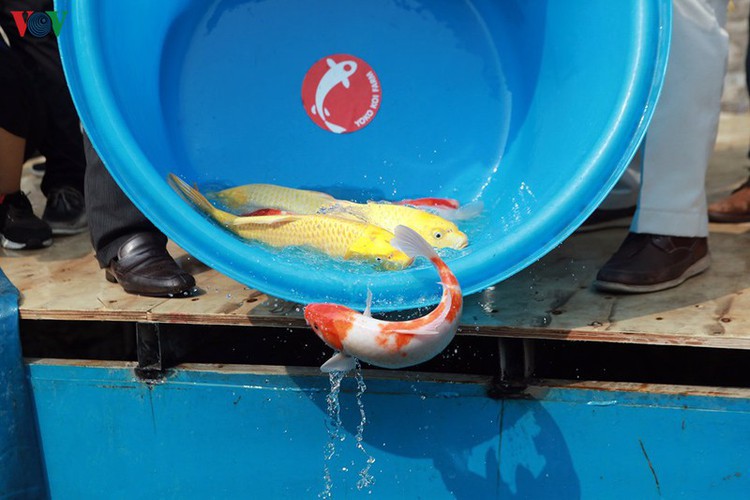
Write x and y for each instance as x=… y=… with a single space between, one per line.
x=61 y=143
x=668 y=239
x=130 y=248
x=618 y=208
x=747 y=60
x=55 y=130
x=19 y=227
x=736 y=206
x=682 y=134
x=12 y=149
x=112 y=217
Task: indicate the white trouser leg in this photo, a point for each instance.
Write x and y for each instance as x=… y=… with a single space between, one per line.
x=682 y=133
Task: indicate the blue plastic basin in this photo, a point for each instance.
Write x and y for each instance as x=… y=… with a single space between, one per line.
x=533 y=107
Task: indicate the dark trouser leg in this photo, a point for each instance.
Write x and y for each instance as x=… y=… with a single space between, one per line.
x=61 y=141
x=112 y=217
x=54 y=128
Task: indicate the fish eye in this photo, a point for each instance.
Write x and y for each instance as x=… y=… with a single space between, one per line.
x=438 y=234
x=379 y=259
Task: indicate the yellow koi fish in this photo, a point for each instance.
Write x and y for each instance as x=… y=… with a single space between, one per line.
x=337 y=237
x=438 y=231
x=299 y=201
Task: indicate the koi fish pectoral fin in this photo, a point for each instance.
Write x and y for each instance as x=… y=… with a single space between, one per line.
x=345 y=82
x=339 y=362
x=323 y=114
x=411 y=243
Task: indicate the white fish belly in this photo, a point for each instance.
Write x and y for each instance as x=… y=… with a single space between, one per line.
x=366 y=342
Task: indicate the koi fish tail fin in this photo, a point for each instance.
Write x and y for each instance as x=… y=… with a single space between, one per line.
x=339 y=362
x=411 y=243
x=465 y=212
x=196 y=198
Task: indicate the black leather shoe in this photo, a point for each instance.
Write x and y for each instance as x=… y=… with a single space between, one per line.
x=144 y=267
x=653 y=262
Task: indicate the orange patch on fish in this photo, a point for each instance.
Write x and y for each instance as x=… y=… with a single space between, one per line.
x=431 y=202
x=394 y=342
x=331 y=322
x=266 y=211
x=456 y=304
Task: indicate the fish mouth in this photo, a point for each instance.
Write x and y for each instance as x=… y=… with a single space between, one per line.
x=461 y=244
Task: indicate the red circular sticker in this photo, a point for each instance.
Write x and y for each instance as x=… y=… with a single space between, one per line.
x=341 y=93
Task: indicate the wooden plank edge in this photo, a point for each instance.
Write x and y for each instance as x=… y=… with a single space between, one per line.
x=619 y=337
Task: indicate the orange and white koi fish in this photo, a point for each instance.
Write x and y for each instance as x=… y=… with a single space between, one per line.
x=390 y=344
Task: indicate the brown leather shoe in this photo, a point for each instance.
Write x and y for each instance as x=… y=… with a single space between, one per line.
x=144 y=267
x=733 y=208
x=652 y=262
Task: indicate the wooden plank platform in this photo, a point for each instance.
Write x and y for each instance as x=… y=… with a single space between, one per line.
x=552 y=299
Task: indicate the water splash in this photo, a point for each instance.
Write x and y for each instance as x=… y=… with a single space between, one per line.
x=333 y=424
x=366 y=480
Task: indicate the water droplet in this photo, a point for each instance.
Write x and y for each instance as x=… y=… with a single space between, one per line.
x=333 y=423
x=366 y=480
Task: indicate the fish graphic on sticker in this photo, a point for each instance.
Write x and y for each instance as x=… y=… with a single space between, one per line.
x=341 y=93
x=337 y=74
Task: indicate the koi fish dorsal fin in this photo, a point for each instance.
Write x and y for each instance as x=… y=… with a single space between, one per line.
x=266 y=220
x=339 y=362
x=411 y=243
x=368 y=307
